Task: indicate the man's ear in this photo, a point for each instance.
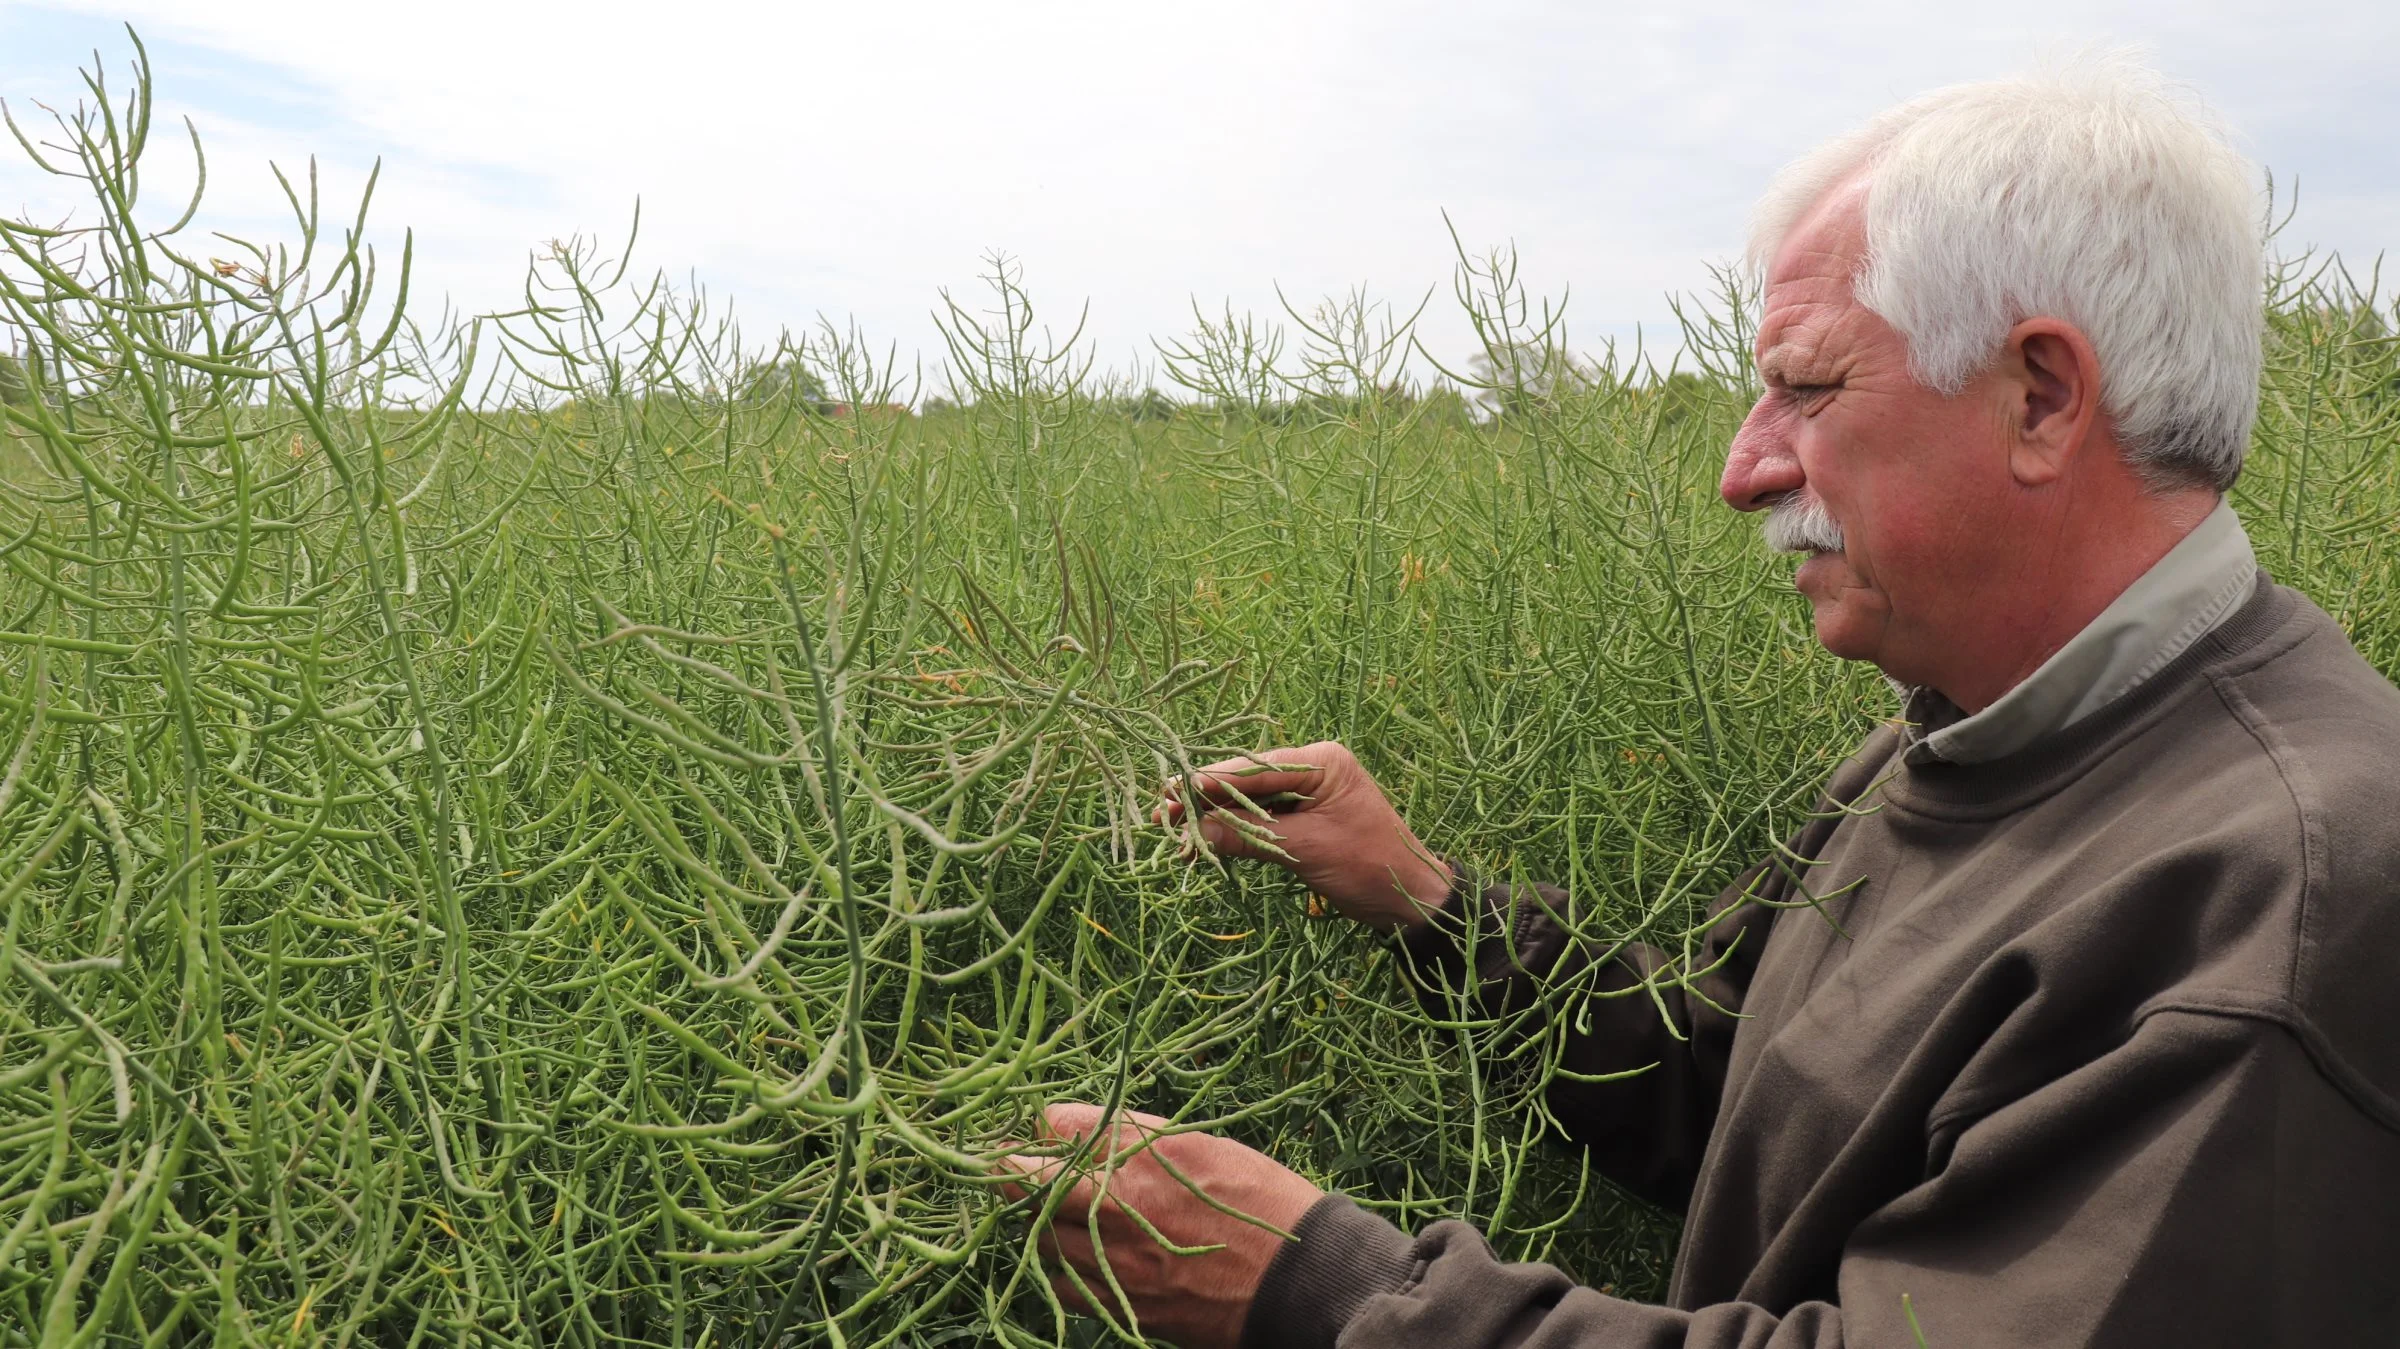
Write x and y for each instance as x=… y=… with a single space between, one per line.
x=2052 y=382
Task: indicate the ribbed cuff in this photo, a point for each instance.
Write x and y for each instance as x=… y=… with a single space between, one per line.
x=1341 y=1255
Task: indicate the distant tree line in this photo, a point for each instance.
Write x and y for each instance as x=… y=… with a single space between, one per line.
x=1682 y=394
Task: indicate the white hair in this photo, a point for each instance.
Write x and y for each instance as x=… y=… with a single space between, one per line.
x=2092 y=192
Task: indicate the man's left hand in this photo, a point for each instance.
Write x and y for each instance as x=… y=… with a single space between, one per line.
x=1198 y=1299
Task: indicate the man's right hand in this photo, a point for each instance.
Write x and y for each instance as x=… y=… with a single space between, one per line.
x=1334 y=829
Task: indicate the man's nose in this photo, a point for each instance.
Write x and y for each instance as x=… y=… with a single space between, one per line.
x=1760 y=465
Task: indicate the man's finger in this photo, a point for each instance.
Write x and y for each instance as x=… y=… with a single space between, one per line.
x=1028 y=1174
x=1068 y=1121
x=1274 y=773
x=1221 y=835
x=1066 y=1129
x=1071 y=1121
x=1023 y=1174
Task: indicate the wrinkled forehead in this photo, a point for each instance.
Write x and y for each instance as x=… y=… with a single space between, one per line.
x=1811 y=283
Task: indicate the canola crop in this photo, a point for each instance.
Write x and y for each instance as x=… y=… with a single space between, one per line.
x=569 y=829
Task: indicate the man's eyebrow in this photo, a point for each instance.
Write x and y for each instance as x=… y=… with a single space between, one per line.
x=1776 y=363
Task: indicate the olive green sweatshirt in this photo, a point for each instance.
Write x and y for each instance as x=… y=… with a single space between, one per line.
x=2096 y=1042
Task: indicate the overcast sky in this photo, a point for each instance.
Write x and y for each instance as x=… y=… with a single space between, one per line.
x=853 y=160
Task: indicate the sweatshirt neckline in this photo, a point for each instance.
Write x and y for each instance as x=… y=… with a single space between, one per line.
x=2003 y=785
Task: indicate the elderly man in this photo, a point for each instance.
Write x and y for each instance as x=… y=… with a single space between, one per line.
x=2102 y=1043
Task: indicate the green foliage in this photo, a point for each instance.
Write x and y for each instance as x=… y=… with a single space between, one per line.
x=15 y=389
x=1684 y=394
x=615 y=869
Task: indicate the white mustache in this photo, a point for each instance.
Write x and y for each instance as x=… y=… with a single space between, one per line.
x=1799 y=523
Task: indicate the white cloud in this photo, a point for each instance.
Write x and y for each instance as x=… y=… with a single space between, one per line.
x=854 y=158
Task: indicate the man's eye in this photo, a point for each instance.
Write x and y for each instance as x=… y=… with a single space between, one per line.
x=1808 y=393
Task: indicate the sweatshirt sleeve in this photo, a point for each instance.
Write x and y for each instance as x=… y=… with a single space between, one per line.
x=2202 y=1185
x=1492 y=950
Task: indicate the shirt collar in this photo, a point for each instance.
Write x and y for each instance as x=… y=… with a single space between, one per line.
x=2178 y=601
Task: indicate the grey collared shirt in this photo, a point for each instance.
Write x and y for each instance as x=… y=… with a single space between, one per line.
x=2174 y=604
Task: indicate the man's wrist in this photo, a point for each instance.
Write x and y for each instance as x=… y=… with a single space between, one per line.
x=1430 y=895
x=1434 y=949
x=1454 y=882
